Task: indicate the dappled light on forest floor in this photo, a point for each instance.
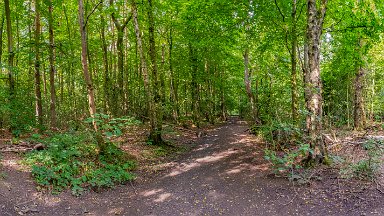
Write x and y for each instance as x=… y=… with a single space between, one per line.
x=225 y=174
x=248 y=167
x=159 y=195
x=201 y=161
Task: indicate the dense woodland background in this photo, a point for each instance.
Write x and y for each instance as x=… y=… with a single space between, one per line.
x=309 y=64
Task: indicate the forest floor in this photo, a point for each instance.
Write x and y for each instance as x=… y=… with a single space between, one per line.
x=224 y=173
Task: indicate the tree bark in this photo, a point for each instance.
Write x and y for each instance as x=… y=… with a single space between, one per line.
x=313 y=86
x=359 y=116
x=52 y=70
x=295 y=94
x=38 y=101
x=156 y=123
x=143 y=62
x=107 y=82
x=1 y=37
x=248 y=87
x=194 y=86
x=84 y=50
x=11 y=56
x=120 y=54
x=174 y=86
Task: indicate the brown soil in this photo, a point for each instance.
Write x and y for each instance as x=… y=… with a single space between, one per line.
x=223 y=174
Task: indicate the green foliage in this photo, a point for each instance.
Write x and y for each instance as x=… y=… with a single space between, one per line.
x=279 y=134
x=112 y=127
x=289 y=160
x=367 y=168
x=160 y=151
x=71 y=160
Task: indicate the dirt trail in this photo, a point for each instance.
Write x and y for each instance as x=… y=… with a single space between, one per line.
x=224 y=174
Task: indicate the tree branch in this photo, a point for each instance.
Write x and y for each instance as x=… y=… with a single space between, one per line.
x=93 y=10
x=282 y=15
x=301 y=10
x=348 y=27
x=127 y=21
x=322 y=13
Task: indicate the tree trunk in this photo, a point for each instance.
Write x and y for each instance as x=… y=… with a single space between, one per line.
x=84 y=50
x=174 y=86
x=313 y=86
x=38 y=101
x=144 y=68
x=194 y=87
x=106 y=65
x=52 y=70
x=120 y=55
x=11 y=56
x=359 y=110
x=156 y=122
x=1 y=37
x=248 y=88
x=295 y=105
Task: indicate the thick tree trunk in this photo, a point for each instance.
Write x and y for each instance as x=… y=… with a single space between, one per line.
x=248 y=87
x=313 y=86
x=295 y=94
x=52 y=70
x=38 y=101
x=84 y=50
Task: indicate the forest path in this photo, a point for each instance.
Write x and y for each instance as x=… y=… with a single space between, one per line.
x=225 y=174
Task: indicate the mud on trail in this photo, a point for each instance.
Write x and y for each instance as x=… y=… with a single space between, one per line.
x=224 y=174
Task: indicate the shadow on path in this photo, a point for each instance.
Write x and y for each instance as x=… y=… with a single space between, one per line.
x=225 y=174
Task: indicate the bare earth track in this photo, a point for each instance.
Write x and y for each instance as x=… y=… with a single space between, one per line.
x=224 y=174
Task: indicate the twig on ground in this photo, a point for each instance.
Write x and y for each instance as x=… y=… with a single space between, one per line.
x=290 y=201
x=23 y=203
x=377 y=187
x=134 y=189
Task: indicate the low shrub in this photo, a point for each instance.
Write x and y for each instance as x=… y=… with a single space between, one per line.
x=288 y=160
x=72 y=160
x=280 y=135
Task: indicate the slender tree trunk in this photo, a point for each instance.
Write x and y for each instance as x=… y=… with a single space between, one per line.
x=156 y=123
x=38 y=101
x=144 y=68
x=313 y=86
x=295 y=94
x=1 y=55
x=120 y=55
x=1 y=37
x=106 y=65
x=222 y=98
x=154 y=134
x=194 y=86
x=11 y=56
x=359 y=116
x=174 y=87
x=52 y=70
x=84 y=50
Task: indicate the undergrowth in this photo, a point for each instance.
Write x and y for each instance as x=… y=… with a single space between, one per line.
x=368 y=167
x=72 y=160
x=286 y=150
x=279 y=135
